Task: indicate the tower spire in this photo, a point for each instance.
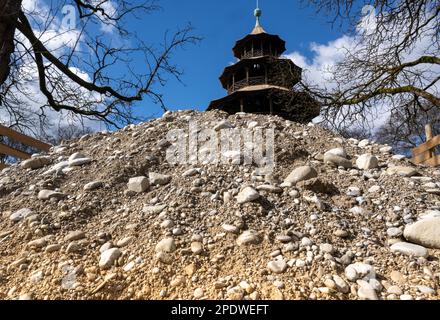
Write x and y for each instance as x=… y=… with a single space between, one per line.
x=257 y=13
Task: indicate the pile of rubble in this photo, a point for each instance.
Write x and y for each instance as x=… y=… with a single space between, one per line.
x=108 y=217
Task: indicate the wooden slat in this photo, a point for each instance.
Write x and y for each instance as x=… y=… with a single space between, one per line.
x=422 y=157
x=2 y=166
x=434 y=161
x=427 y=145
x=31 y=142
x=13 y=152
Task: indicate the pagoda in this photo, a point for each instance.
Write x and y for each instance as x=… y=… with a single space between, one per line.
x=261 y=81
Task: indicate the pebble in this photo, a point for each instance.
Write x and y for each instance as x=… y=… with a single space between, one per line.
x=198 y=293
x=277 y=266
x=367 y=161
x=166 y=245
x=359 y=270
x=394 y=232
x=75 y=235
x=337 y=161
x=249 y=237
x=35 y=163
x=366 y=291
x=20 y=214
x=50 y=194
x=301 y=174
x=108 y=258
x=138 y=184
x=248 y=194
x=93 y=185
x=230 y=228
x=196 y=248
x=159 y=179
x=409 y=249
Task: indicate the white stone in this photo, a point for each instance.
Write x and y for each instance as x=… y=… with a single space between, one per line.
x=249 y=237
x=198 y=293
x=366 y=291
x=138 y=184
x=223 y=125
x=394 y=232
x=248 y=194
x=425 y=232
x=301 y=174
x=367 y=161
x=360 y=270
x=20 y=214
x=49 y=194
x=196 y=247
x=35 y=163
x=409 y=249
x=159 y=179
x=402 y=171
x=363 y=143
x=336 y=160
x=230 y=228
x=108 y=258
x=425 y=289
x=337 y=152
x=277 y=266
x=93 y=185
x=166 y=245
x=386 y=149
x=79 y=162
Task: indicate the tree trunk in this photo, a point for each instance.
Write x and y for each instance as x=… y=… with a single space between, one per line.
x=8 y=16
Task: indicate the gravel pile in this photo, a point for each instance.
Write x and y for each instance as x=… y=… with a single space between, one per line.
x=108 y=217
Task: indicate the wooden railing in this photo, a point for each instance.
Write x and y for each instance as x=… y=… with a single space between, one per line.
x=252 y=81
x=24 y=139
x=425 y=153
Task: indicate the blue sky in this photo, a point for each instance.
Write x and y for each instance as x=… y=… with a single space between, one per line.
x=221 y=23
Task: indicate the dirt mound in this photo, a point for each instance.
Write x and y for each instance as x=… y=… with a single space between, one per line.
x=327 y=222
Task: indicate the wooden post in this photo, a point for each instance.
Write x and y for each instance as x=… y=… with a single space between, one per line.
x=247 y=75
x=271 y=105
x=241 y=105
x=252 y=48
x=265 y=74
x=233 y=82
x=429 y=136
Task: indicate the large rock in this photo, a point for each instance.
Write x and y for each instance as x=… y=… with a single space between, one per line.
x=425 y=232
x=248 y=194
x=367 y=161
x=35 y=163
x=402 y=171
x=138 y=184
x=337 y=160
x=301 y=174
x=409 y=249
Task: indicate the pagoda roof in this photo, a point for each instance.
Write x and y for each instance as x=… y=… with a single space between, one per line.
x=244 y=91
x=240 y=64
x=259 y=35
